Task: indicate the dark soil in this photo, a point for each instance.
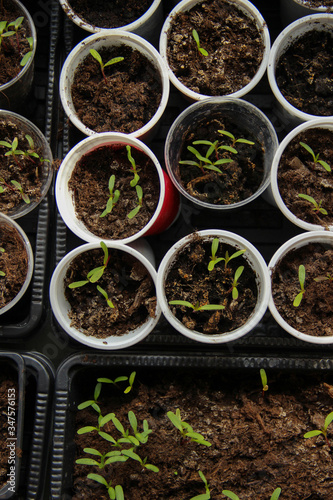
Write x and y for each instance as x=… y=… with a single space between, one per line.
x=257 y=441
x=304 y=73
x=89 y=183
x=13 y=48
x=110 y=13
x=128 y=284
x=238 y=180
x=318 y=3
x=25 y=169
x=126 y=101
x=299 y=174
x=314 y=315
x=189 y=279
x=232 y=40
x=13 y=262
x=8 y=386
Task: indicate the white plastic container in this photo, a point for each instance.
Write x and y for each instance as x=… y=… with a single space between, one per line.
x=290 y=10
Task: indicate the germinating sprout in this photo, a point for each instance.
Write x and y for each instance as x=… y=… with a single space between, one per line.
x=203 y=496
x=113 y=196
x=203 y=161
x=93 y=402
x=134 y=456
x=202 y=51
x=115 y=382
x=233 y=496
x=185 y=429
x=231 y=136
x=328 y=277
x=4 y=32
x=27 y=56
x=96 y=273
x=235 y=282
x=115 y=493
x=263 y=377
x=315 y=157
x=196 y=307
x=96 y=55
x=134 y=168
x=301 y=278
x=24 y=196
x=227 y=258
x=323 y=430
x=135 y=210
x=316 y=206
x=104 y=458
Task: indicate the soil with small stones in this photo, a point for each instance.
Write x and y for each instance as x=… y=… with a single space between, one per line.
x=318 y=3
x=314 y=315
x=128 y=285
x=257 y=441
x=238 y=179
x=6 y=385
x=304 y=73
x=232 y=40
x=190 y=280
x=13 y=262
x=110 y=14
x=13 y=48
x=89 y=184
x=126 y=100
x=299 y=174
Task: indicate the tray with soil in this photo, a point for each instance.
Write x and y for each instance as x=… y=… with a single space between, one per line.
x=256 y=438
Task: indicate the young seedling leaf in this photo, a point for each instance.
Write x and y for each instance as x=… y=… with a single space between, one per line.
x=230 y=494
x=276 y=493
x=98 y=478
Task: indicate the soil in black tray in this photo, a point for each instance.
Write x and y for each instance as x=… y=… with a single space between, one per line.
x=15 y=46
x=8 y=411
x=304 y=73
x=257 y=441
x=314 y=315
x=189 y=279
x=298 y=173
x=234 y=180
x=127 y=284
x=110 y=13
x=126 y=100
x=231 y=39
x=89 y=183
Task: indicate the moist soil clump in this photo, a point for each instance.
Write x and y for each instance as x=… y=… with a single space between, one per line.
x=304 y=73
x=190 y=280
x=237 y=180
x=298 y=173
x=110 y=13
x=232 y=40
x=13 y=48
x=13 y=263
x=8 y=387
x=257 y=441
x=89 y=184
x=126 y=100
x=128 y=285
x=314 y=315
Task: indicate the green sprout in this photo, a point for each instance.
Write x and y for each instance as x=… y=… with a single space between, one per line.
x=324 y=278
x=196 y=307
x=4 y=33
x=113 y=197
x=134 y=169
x=227 y=258
x=115 y=493
x=301 y=278
x=120 y=379
x=315 y=157
x=323 y=430
x=233 y=138
x=98 y=58
x=317 y=206
x=204 y=161
x=24 y=196
x=12 y=148
x=95 y=274
x=2 y=250
x=27 y=56
x=135 y=210
x=263 y=377
x=134 y=456
x=235 y=283
x=105 y=295
x=138 y=438
x=92 y=402
x=105 y=458
x=213 y=259
x=275 y=495
x=202 y=51
x=185 y=429
x=203 y=496
x=16 y=25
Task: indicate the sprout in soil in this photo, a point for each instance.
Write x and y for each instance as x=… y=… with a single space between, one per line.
x=16 y=25
x=324 y=278
x=27 y=56
x=115 y=493
x=4 y=33
x=105 y=458
x=185 y=429
x=98 y=58
x=113 y=197
x=213 y=259
x=24 y=196
x=92 y=402
x=120 y=379
x=134 y=168
x=263 y=377
x=2 y=250
x=301 y=278
x=240 y=140
x=134 y=456
x=323 y=430
x=196 y=307
x=316 y=206
x=203 y=496
x=275 y=495
x=235 y=283
x=202 y=51
x=138 y=438
x=135 y=210
x=204 y=161
x=228 y=258
x=315 y=157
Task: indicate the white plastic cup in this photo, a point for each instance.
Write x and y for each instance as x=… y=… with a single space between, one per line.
x=290 y=10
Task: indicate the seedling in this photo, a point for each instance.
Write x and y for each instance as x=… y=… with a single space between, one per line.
x=105 y=295
x=27 y=55
x=138 y=438
x=196 y=307
x=301 y=278
x=240 y=140
x=135 y=210
x=324 y=278
x=263 y=377
x=4 y=33
x=202 y=51
x=98 y=58
x=134 y=168
x=24 y=196
x=105 y=458
x=323 y=430
x=203 y=496
x=113 y=197
x=115 y=493
x=95 y=274
x=120 y=379
x=16 y=25
x=204 y=161
x=185 y=429
x=235 y=283
x=317 y=206
x=227 y=258
x=213 y=259
x=92 y=402
x=233 y=496
x=315 y=157
x=131 y=454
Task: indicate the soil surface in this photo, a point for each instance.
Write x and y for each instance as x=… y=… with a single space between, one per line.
x=318 y=3
x=257 y=441
x=110 y=13
x=190 y=280
x=126 y=100
x=128 y=285
x=14 y=47
x=89 y=183
x=298 y=173
x=304 y=73
x=13 y=262
x=314 y=315
x=232 y=40
x=238 y=179
x=7 y=386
